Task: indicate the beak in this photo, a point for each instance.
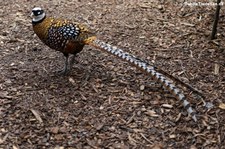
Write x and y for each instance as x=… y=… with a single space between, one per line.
x=32 y=14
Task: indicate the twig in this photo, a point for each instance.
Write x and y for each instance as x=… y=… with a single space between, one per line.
x=217 y=14
x=146 y=138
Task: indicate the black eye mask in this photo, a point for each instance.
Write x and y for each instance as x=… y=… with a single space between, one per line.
x=37 y=12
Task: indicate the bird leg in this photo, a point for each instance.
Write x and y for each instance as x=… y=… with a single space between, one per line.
x=65 y=70
x=68 y=64
x=73 y=60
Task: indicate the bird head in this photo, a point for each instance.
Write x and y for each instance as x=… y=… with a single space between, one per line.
x=37 y=14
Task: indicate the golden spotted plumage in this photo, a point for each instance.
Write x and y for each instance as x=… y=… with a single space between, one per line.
x=41 y=29
x=70 y=37
x=49 y=31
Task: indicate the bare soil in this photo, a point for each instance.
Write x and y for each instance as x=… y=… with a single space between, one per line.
x=104 y=102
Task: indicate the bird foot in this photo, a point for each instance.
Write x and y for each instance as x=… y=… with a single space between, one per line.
x=63 y=72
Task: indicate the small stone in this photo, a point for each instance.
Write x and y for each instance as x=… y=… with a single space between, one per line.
x=142 y=87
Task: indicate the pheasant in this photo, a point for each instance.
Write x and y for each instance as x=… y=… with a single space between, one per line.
x=70 y=37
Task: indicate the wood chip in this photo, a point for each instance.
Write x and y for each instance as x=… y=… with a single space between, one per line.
x=187 y=24
x=59 y=147
x=4 y=138
x=173 y=136
x=54 y=130
x=131 y=118
x=71 y=80
x=131 y=140
x=15 y=147
x=37 y=115
x=4 y=94
x=193 y=147
x=99 y=126
x=222 y=106
x=146 y=138
x=151 y=113
x=101 y=108
x=157 y=146
x=178 y=117
x=167 y=106
x=216 y=69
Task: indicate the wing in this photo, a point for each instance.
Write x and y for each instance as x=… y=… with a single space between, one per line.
x=69 y=31
x=64 y=31
x=72 y=31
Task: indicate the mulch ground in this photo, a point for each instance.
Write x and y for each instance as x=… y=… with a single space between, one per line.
x=104 y=102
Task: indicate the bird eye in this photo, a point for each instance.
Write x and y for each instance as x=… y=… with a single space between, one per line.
x=37 y=12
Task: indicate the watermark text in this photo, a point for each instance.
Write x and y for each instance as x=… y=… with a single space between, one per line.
x=202 y=3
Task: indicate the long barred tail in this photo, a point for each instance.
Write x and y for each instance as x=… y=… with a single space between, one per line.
x=147 y=68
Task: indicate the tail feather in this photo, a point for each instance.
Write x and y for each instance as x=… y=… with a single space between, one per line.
x=147 y=68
